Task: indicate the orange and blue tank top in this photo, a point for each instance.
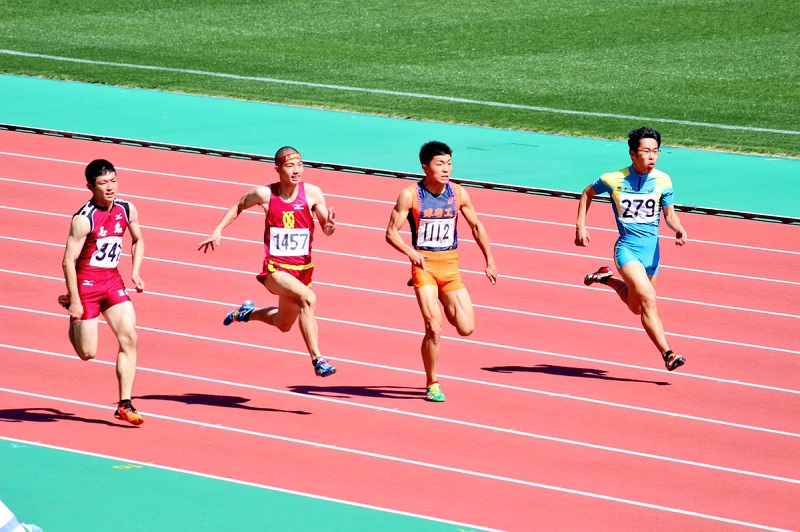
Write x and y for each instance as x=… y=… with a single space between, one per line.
x=433 y=218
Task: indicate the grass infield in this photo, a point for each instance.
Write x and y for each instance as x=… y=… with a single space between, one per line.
x=733 y=66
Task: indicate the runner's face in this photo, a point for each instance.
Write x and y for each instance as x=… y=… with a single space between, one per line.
x=291 y=172
x=105 y=188
x=644 y=159
x=438 y=170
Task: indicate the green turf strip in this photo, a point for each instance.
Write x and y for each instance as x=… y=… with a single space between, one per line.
x=66 y=491
x=718 y=62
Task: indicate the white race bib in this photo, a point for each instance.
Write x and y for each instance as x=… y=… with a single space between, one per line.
x=436 y=233
x=289 y=242
x=638 y=208
x=109 y=250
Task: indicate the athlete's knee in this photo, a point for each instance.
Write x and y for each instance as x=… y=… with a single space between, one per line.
x=284 y=326
x=640 y=302
x=433 y=330
x=647 y=302
x=128 y=338
x=308 y=300
x=85 y=355
x=465 y=329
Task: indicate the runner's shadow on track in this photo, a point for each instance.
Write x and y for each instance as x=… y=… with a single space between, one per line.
x=343 y=392
x=50 y=415
x=566 y=371
x=224 y=401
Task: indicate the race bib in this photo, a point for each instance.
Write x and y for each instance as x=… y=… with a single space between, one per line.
x=109 y=250
x=289 y=242
x=436 y=233
x=638 y=208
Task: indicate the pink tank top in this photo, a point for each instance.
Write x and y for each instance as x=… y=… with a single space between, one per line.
x=102 y=248
x=289 y=228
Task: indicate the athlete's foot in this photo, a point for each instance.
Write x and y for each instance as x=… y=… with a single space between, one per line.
x=64 y=301
x=126 y=412
x=240 y=314
x=673 y=361
x=434 y=393
x=322 y=368
x=602 y=275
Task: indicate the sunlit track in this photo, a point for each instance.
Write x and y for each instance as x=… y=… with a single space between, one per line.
x=569 y=397
x=396 y=411
x=501 y=309
x=322 y=250
x=556 y=398
x=449 y=338
x=415 y=463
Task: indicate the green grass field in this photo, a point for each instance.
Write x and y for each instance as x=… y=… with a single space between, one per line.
x=733 y=65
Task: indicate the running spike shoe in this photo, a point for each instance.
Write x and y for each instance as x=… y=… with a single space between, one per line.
x=434 y=393
x=126 y=412
x=673 y=361
x=602 y=275
x=322 y=368
x=240 y=314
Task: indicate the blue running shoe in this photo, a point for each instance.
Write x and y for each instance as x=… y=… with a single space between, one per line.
x=322 y=368
x=241 y=314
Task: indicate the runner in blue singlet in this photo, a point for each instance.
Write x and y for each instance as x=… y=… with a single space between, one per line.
x=639 y=194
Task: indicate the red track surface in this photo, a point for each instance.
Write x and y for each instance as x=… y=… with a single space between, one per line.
x=559 y=413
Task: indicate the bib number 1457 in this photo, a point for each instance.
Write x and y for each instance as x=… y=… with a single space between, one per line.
x=288 y=242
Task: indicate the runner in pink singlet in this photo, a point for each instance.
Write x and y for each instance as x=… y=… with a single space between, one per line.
x=94 y=285
x=288 y=234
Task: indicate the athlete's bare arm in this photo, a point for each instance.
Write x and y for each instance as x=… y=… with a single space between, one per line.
x=581 y=234
x=78 y=231
x=325 y=215
x=396 y=221
x=137 y=248
x=257 y=195
x=479 y=233
x=674 y=223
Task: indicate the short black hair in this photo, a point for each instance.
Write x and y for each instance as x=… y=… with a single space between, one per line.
x=431 y=149
x=97 y=168
x=642 y=133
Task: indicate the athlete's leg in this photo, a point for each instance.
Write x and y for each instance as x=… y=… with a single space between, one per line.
x=432 y=317
x=295 y=300
x=458 y=309
x=122 y=320
x=642 y=301
x=83 y=335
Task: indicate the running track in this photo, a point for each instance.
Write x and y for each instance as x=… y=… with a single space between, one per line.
x=559 y=412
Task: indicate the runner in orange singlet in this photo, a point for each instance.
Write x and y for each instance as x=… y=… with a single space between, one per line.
x=432 y=207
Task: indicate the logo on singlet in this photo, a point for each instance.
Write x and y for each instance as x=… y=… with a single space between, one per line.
x=288 y=219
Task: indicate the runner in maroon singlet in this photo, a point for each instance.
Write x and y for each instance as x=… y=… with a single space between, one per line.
x=288 y=235
x=94 y=285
